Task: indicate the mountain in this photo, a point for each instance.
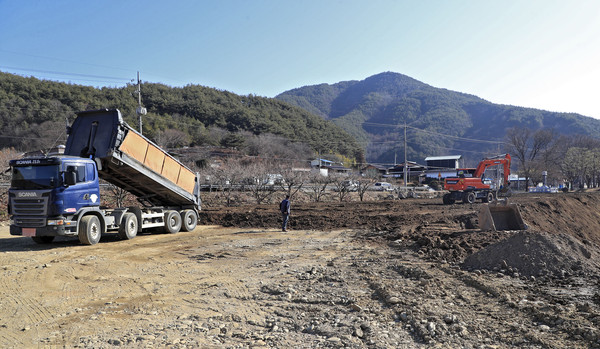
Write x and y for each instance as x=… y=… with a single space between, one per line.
x=33 y=113
x=438 y=121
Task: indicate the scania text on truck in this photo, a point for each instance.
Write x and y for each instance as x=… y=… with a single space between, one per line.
x=59 y=195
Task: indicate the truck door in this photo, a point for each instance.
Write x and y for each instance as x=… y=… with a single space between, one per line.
x=86 y=191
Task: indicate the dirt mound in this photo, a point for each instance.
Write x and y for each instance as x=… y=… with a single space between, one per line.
x=538 y=254
x=575 y=214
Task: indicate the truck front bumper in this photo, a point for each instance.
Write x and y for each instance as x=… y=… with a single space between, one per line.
x=66 y=229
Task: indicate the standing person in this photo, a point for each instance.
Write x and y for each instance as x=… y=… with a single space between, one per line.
x=284 y=207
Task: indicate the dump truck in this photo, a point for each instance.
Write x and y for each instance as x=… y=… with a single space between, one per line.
x=59 y=195
x=469 y=186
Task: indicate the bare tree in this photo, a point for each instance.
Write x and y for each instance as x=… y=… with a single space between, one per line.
x=292 y=180
x=529 y=147
x=580 y=162
x=364 y=182
x=271 y=146
x=581 y=166
x=318 y=187
x=234 y=172
x=228 y=177
x=262 y=185
x=6 y=155
x=49 y=135
x=171 y=138
x=118 y=195
x=342 y=186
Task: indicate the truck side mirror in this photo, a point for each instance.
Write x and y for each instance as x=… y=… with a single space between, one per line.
x=70 y=178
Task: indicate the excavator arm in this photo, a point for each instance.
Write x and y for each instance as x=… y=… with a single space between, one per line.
x=503 y=160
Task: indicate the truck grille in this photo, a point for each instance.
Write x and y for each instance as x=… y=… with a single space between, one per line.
x=29 y=212
x=30 y=222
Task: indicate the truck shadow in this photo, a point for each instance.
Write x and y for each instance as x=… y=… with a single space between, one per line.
x=24 y=244
x=251 y=232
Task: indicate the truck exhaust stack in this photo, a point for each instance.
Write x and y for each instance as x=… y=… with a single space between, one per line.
x=501 y=215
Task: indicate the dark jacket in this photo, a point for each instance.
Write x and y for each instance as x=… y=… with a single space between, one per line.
x=284 y=207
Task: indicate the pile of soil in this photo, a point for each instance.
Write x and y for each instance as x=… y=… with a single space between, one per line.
x=574 y=214
x=538 y=254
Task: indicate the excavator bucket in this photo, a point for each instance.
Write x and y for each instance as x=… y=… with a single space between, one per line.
x=501 y=216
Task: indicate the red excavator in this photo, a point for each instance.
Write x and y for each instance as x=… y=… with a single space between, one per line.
x=469 y=186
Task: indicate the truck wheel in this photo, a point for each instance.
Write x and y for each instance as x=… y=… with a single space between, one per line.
x=190 y=220
x=129 y=226
x=447 y=199
x=469 y=198
x=489 y=197
x=90 y=230
x=42 y=239
x=172 y=222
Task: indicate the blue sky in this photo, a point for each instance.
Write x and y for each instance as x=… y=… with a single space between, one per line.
x=535 y=53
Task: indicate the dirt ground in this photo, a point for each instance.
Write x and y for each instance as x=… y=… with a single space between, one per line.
x=407 y=273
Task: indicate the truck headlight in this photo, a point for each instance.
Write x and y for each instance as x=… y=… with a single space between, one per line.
x=56 y=222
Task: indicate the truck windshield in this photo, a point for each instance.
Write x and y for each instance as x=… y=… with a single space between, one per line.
x=35 y=177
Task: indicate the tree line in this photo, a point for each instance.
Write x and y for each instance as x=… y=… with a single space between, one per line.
x=33 y=114
x=570 y=159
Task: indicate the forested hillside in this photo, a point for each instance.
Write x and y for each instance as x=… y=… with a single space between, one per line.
x=439 y=121
x=33 y=114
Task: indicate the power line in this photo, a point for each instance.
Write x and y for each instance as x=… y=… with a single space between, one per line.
x=65 y=60
x=456 y=137
x=89 y=64
x=433 y=133
x=67 y=74
x=21 y=137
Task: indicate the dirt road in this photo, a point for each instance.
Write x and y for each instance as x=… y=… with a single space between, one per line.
x=378 y=275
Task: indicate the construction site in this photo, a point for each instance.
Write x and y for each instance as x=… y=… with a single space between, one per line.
x=412 y=273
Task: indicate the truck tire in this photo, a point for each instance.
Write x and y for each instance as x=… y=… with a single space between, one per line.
x=129 y=226
x=469 y=198
x=190 y=220
x=489 y=197
x=90 y=230
x=172 y=222
x=447 y=199
x=42 y=239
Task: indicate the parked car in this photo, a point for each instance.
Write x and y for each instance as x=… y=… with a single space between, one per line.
x=348 y=186
x=383 y=186
x=274 y=178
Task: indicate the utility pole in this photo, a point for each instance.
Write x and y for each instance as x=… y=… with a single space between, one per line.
x=405 y=164
x=140 y=110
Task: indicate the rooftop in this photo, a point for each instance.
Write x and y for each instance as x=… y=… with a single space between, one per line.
x=447 y=157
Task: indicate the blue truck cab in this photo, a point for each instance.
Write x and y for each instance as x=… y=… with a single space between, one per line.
x=48 y=194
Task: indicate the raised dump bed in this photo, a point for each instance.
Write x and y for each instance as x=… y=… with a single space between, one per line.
x=130 y=161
